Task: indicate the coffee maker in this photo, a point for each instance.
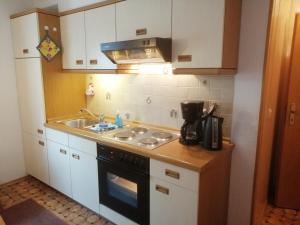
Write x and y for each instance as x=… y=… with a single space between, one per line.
x=191 y=130
x=201 y=126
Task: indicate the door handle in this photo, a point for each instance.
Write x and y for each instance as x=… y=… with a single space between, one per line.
x=293 y=113
x=41 y=143
x=62 y=151
x=75 y=156
x=162 y=189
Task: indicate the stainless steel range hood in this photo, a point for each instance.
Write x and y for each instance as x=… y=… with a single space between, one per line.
x=150 y=50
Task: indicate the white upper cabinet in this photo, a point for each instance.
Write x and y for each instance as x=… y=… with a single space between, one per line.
x=100 y=28
x=25 y=33
x=143 y=19
x=197 y=32
x=31 y=95
x=73 y=41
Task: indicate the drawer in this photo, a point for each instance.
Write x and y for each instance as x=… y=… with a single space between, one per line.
x=176 y=175
x=83 y=145
x=57 y=136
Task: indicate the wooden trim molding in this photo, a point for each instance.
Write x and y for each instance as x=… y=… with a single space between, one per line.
x=34 y=10
x=89 y=7
x=208 y=71
x=231 y=38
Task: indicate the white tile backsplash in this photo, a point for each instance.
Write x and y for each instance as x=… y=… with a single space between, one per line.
x=129 y=94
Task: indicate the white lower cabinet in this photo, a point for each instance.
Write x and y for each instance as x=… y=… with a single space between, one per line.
x=59 y=167
x=36 y=157
x=84 y=178
x=174 y=194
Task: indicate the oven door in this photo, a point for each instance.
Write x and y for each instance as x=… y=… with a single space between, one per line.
x=124 y=191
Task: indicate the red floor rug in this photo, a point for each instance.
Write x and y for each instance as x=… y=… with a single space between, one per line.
x=29 y=213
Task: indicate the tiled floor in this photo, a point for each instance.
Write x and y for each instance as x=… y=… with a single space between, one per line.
x=62 y=206
x=278 y=216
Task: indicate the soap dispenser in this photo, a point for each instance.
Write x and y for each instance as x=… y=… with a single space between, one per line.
x=119 y=120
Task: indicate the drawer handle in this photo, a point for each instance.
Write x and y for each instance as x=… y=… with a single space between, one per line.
x=41 y=143
x=40 y=131
x=75 y=156
x=162 y=189
x=62 y=151
x=172 y=174
x=93 y=62
x=185 y=58
x=25 y=51
x=139 y=32
x=79 y=62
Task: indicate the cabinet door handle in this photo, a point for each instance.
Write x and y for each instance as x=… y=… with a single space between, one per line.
x=142 y=31
x=41 y=143
x=25 y=51
x=75 y=156
x=79 y=62
x=62 y=151
x=40 y=131
x=172 y=174
x=93 y=62
x=185 y=58
x=162 y=189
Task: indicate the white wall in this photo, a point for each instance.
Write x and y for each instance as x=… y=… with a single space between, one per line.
x=247 y=98
x=11 y=153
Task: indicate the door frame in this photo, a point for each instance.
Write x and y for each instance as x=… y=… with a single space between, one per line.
x=274 y=94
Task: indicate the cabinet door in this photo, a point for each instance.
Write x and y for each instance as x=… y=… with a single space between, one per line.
x=171 y=204
x=29 y=156
x=143 y=19
x=31 y=95
x=41 y=163
x=197 y=33
x=73 y=41
x=100 y=28
x=59 y=167
x=25 y=33
x=84 y=176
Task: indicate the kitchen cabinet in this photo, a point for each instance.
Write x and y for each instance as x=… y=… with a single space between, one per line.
x=84 y=177
x=59 y=167
x=143 y=19
x=36 y=158
x=31 y=95
x=170 y=185
x=25 y=34
x=73 y=41
x=100 y=27
x=205 y=35
x=73 y=167
x=172 y=204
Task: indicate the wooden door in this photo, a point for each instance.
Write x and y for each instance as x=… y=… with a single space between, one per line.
x=100 y=27
x=287 y=193
x=25 y=34
x=138 y=19
x=197 y=33
x=73 y=41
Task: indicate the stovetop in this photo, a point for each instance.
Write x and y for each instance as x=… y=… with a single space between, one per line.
x=144 y=137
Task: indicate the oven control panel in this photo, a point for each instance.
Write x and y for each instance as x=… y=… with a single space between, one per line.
x=124 y=158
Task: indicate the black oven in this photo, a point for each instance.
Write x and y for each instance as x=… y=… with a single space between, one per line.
x=124 y=183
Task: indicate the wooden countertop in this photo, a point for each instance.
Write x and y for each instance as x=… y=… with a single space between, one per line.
x=191 y=157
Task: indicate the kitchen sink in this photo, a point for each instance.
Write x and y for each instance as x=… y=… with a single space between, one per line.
x=79 y=123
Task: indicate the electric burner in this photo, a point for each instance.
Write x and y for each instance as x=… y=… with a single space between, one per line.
x=124 y=136
x=148 y=141
x=139 y=130
x=162 y=135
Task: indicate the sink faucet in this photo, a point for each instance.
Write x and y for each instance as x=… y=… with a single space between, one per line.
x=89 y=112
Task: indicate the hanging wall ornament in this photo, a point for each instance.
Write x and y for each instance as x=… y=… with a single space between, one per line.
x=47 y=47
